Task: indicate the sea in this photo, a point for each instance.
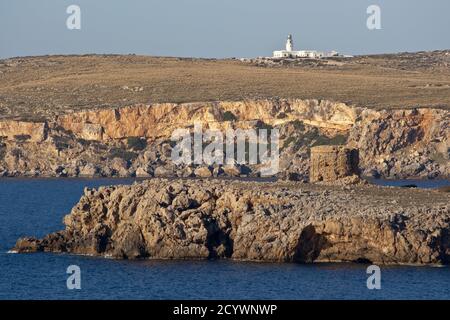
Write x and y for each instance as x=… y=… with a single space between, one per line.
x=35 y=207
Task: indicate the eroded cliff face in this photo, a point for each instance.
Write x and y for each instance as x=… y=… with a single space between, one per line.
x=160 y=120
x=135 y=140
x=17 y=130
x=289 y=222
x=401 y=142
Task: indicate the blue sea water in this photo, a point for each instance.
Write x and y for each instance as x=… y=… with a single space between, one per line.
x=37 y=206
x=422 y=183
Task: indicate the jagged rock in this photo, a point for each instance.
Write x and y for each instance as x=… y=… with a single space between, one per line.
x=185 y=172
x=232 y=170
x=59 y=170
x=150 y=156
x=345 y=181
x=142 y=173
x=203 y=172
x=92 y=131
x=286 y=222
x=72 y=170
x=119 y=167
x=31 y=131
x=411 y=137
x=88 y=170
x=164 y=171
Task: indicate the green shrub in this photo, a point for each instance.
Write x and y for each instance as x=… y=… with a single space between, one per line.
x=61 y=142
x=298 y=125
x=2 y=151
x=229 y=116
x=288 y=141
x=123 y=154
x=84 y=142
x=313 y=138
x=262 y=125
x=22 y=137
x=136 y=143
x=336 y=140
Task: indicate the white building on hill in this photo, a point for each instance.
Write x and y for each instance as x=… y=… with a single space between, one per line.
x=291 y=53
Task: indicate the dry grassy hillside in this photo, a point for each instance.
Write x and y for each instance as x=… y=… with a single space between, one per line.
x=37 y=87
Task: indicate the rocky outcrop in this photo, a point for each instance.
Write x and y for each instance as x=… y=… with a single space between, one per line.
x=91 y=131
x=23 y=130
x=401 y=143
x=289 y=222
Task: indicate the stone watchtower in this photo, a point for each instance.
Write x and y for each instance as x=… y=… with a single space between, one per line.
x=330 y=163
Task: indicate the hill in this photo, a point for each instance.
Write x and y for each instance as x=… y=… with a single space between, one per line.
x=36 y=88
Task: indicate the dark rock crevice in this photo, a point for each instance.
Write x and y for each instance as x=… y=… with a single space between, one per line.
x=310 y=244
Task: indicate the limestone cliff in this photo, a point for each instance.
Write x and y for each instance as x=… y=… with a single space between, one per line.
x=200 y=219
x=135 y=140
x=401 y=142
x=160 y=120
x=32 y=131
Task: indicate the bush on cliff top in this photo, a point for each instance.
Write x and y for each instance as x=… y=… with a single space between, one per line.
x=22 y=137
x=336 y=140
x=123 y=154
x=136 y=143
x=229 y=116
x=313 y=138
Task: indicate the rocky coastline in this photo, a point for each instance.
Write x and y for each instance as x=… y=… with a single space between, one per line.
x=255 y=221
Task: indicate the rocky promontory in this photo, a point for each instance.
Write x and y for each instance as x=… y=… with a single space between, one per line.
x=256 y=221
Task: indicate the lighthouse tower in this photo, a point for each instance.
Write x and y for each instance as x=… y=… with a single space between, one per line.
x=289 y=43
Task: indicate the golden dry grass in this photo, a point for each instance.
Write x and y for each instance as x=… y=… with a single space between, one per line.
x=38 y=87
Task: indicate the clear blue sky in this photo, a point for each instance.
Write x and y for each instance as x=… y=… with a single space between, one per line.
x=220 y=28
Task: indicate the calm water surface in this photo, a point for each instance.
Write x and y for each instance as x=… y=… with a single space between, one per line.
x=36 y=207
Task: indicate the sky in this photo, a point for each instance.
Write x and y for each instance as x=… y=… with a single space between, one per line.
x=220 y=28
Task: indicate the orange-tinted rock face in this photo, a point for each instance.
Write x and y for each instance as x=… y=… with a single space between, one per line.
x=160 y=120
x=379 y=134
x=30 y=131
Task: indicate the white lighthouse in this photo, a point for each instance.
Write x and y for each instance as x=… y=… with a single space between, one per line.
x=289 y=43
x=290 y=53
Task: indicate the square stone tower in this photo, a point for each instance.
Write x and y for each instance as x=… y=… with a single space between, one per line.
x=330 y=163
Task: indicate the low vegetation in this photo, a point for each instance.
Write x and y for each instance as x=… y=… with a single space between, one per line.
x=22 y=137
x=229 y=116
x=136 y=143
x=37 y=87
x=312 y=138
x=123 y=154
x=324 y=140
